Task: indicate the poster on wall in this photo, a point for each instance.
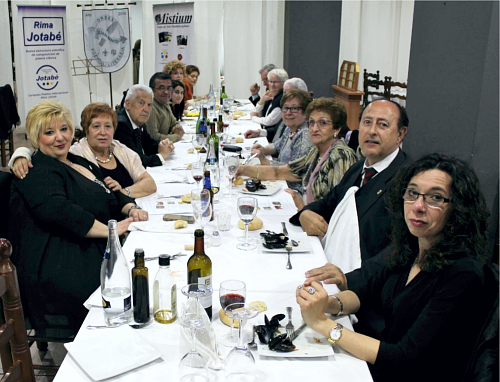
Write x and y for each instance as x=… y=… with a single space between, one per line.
x=174 y=33
x=106 y=37
x=44 y=55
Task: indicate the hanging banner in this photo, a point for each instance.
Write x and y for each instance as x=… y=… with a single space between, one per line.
x=106 y=37
x=174 y=33
x=44 y=55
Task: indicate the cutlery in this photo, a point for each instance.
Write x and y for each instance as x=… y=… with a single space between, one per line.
x=256 y=141
x=298 y=331
x=285 y=231
x=171 y=196
x=177 y=168
x=289 y=327
x=289 y=264
x=253 y=345
x=133 y=326
x=156 y=257
x=250 y=158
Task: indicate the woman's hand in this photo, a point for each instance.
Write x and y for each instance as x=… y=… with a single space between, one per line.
x=312 y=305
x=21 y=166
x=252 y=133
x=329 y=274
x=297 y=199
x=138 y=215
x=112 y=184
x=122 y=226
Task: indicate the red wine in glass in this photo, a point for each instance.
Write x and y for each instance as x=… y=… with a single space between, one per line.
x=231 y=298
x=198 y=178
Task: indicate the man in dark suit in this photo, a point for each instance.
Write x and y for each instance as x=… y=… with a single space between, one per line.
x=383 y=125
x=255 y=88
x=131 y=129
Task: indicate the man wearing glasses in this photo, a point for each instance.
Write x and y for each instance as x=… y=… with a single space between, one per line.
x=162 y=123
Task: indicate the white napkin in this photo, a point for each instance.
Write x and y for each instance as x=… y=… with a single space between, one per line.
x=162 y=174
x=160 y=227
x=206 y=345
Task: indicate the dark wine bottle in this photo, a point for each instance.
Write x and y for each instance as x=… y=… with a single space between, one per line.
x=199 y=269
x=208 y=186
x=140 y=288
x=213 y=137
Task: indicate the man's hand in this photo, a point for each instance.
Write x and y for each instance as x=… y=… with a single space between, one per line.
x=328 y=274
x=251 y=134
x=313 y=223
x=178 y=130
x=254 y=89
x=268 y=95
x=112 y=184
x=165 y=147
x=20 y=167
x=254 y=114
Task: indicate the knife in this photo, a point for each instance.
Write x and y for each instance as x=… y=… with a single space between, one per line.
x=298 y=331
x=285 y=231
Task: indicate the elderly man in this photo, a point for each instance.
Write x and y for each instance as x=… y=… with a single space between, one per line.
x=131 y=129
x=162 y=123
x=254 y=89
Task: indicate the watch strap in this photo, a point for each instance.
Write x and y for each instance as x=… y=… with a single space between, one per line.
x=338 y=328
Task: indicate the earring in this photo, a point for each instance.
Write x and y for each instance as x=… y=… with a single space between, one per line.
x=335 y=135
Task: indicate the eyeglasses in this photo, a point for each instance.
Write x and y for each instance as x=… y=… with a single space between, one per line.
x=274 y=82
x=179 y=91
x=293 y=109
x=432 y=200
x=321 y=122
x=161 y=87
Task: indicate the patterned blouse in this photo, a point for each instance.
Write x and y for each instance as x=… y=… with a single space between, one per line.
x=331 y=172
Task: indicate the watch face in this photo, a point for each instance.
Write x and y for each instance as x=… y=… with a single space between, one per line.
x=335 y=333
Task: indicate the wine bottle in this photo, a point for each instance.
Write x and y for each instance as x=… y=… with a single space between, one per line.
x=211 y=100
x=115 y=281
x=140 y=288
x=220 y=125
x=165 y=293
x=200 y=120
x=208 y=186
x=199 y=269
x=223 y=95
x=215 y=139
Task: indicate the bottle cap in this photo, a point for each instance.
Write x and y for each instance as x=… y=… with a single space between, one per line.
x=199 y=233
x=139 y=252
x=164 y=260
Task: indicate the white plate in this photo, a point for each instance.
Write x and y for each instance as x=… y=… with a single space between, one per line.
x=272 y=188
x=112 y=352
x=307 y=344
x=301 y=238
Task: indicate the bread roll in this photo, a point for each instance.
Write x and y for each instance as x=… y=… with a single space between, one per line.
x=256 y=224
x=186 y=198
x=238 y=181
x=239 y=139
x=260 y=305
x=180 y=224
x=226 y=320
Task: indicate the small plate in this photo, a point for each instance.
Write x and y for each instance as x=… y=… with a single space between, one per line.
x=301 y=238
x=272 y=188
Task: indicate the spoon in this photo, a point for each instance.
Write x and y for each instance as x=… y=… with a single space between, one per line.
x=253 y=345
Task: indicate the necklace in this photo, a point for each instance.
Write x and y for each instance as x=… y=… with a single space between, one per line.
x=95 y=180
x=106 y=160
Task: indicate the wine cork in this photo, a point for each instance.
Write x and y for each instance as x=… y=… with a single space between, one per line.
x=189 y=247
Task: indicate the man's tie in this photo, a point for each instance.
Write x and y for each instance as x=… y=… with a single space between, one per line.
x=368 y=175
x=138 y=139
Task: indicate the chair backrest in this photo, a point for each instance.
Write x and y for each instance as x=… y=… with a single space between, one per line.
x=14 y=350
x=5 y=183
x=372 y=80
x=8 y=111
x=349 y=75
x=395 y=94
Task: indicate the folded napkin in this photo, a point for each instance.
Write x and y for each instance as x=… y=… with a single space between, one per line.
x=160 y=227
x=206 y=344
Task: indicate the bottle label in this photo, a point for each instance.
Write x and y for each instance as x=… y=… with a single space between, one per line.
x=127 y=303
x=206 y=301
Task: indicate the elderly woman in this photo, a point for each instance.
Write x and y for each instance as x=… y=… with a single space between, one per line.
x=439 y=222
x=325 y=164
x=295 y=83
x=58 y=228
x=191 y=78
x=121 y=167
x=178 y=104
x=268 y=112
x=176 y=69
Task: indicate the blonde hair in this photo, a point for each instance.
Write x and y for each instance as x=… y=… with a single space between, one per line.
x=43 y=115
x=171 y=66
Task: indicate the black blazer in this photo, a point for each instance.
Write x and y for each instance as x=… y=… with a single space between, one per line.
x=125 y=134
x=254 y=101
x=373 y=217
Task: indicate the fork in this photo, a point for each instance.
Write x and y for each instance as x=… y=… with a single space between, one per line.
x=289 y=327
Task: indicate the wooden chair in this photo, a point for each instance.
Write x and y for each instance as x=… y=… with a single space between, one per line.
x=372 y=80
x=9 y=118
x=14 y=350
x=346 y=91
x=389 y=92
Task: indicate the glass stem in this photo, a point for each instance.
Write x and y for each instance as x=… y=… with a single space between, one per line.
x=246 y=233
x=243 y=320
x=193 y=338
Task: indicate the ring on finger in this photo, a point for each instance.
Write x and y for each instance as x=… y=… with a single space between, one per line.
x=311 y=290
x=300 y=286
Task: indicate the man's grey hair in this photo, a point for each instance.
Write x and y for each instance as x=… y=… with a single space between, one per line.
x=280 y=73
x=132 y=92
x=297 y=83
x=267 y=67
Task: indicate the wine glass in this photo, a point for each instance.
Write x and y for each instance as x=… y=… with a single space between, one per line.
x=197 y=146
x=193 y=367
x=231 y=292
x=197 y=173
x=247 y=209
x=232 y=164
x=240 y=364
x=200 y=202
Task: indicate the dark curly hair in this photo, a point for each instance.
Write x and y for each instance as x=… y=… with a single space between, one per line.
x=464 y=233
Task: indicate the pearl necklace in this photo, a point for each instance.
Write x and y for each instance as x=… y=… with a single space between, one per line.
x=106 y=160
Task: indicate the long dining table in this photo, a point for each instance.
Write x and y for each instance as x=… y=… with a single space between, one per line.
x=265 y=274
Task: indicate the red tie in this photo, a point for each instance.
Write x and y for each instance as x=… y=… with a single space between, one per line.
x=368 y=175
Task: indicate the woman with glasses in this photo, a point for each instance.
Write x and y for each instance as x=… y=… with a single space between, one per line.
x=428 y=288
x=325 y=164
x=178 y=105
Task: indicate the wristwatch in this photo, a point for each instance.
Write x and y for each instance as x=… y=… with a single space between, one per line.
x=335 y=334
x=134 y=206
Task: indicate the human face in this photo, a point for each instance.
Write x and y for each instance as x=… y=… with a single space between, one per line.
x=424 y=222
x=55 y=140
x=192 y=78
x=321 y=136
x=177 y=74
x=100 y=133
x=177 y=95
x=162 y=90
x=293 y=120
x=379 y=135
x=263 y=77
x=275 y=84
x=139 y=108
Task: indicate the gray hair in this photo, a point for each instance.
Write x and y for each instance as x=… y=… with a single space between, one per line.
x=297 y=83
x=267 y=67
x=280 y=73
x=132 y=92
